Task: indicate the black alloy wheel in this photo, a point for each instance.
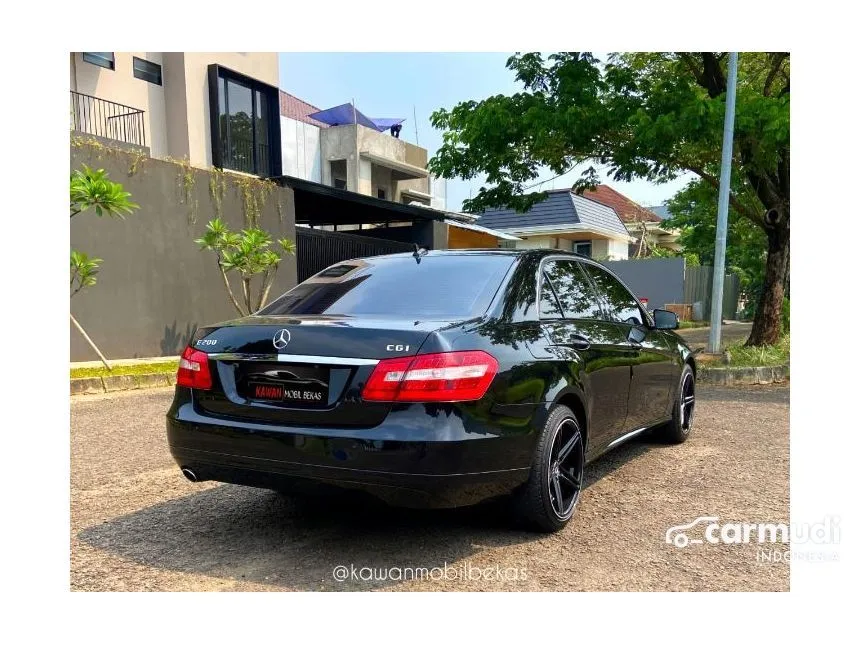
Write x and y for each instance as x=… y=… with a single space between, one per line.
x=688 y=401
x=548 y=500
x=564 y=475
x=678 y=429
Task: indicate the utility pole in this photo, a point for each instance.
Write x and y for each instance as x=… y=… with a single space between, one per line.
x=723 y=210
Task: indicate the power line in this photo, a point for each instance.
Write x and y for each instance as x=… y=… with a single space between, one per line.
x=545 y=181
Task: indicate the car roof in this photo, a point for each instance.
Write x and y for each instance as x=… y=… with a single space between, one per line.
x=511 y=252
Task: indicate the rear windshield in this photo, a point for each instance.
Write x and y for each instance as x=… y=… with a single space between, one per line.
x=442 y=287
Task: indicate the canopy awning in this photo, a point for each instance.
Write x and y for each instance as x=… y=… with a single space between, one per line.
x=316 y=205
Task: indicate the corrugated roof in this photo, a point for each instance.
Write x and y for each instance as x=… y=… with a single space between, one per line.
x=560 y=208
x=294 y=108
x=596 y=214
x=627 y=209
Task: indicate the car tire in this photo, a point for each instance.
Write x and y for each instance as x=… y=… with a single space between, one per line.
x=548 y=500
x=679 y=428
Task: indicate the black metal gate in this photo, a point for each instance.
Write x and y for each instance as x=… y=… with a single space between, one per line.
x=316 y=250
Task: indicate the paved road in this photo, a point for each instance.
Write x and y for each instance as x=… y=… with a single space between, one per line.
x=137 y=524
x=732 y=332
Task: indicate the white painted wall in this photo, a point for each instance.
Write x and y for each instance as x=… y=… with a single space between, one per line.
x=600 y=249
x=300 y=150
x=609 y=249
x=439 y=192
x=618 y=250
x=536 y=242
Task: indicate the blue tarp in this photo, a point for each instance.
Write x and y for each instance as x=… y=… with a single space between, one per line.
x=383 y=124
x=347 y=115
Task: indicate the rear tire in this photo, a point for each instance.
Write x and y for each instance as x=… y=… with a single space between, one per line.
x=549 y=499
x=679 y=428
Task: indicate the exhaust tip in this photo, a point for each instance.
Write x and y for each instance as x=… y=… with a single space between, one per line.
x=189 y=475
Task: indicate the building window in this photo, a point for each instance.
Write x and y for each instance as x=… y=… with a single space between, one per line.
x=102 y=59
x=245 y=123
x=146 y=71
x=337 y=168
x=583 y=248
x=380 y=193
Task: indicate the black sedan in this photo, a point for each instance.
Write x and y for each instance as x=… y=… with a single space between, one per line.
x=434 y=379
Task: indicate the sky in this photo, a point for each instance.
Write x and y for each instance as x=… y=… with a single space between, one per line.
x=400 y=84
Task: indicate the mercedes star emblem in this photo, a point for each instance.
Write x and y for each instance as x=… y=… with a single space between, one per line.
x=281 y=338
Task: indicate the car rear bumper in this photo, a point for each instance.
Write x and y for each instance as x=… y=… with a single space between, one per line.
x=413 y=459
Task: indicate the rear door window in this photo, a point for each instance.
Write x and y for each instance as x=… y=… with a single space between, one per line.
x=620 y=303
x=549 y=305
x=574 y=292
x=437 y=286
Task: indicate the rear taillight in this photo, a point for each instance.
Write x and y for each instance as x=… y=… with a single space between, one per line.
x=450 y=376
x=194 y=370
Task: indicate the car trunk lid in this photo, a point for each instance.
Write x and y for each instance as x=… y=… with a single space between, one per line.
x=303 y=370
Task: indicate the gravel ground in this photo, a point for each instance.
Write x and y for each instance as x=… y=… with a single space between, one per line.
x=137 y=524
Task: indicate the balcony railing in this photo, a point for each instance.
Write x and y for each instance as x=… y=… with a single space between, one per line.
x=240 y=156
x=107 y=119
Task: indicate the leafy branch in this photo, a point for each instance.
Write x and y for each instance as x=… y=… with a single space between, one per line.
x=249 y=254
x=91 y=189
x=83 y=271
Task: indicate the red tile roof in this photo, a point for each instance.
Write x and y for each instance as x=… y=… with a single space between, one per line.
x=294 y=108
x=627 y=209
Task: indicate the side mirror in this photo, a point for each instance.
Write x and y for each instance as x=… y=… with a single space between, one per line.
x=636 y=334
x=664 y=319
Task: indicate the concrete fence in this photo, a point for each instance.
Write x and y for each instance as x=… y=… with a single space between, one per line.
x=669 y=281
x=156 y=286
x=660 y=280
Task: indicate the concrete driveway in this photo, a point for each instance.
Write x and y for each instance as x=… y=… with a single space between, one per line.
x=137 y=524
x=731 y=332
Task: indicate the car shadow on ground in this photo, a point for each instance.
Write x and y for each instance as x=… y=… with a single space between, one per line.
x=255 y=535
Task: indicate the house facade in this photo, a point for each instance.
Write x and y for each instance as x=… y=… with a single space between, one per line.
x=224 y=110
x=215 y=109
x=341 y=150
x=643 y=224
x=567 y=221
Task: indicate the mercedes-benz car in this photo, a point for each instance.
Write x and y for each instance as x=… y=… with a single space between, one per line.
x=434 y=379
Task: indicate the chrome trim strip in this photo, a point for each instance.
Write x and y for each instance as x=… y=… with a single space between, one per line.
x=627 y=436
x=293 y=358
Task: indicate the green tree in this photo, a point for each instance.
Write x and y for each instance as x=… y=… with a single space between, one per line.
x=91 y=189
x=692 y=211
x=248 y=254
x=647 y=115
